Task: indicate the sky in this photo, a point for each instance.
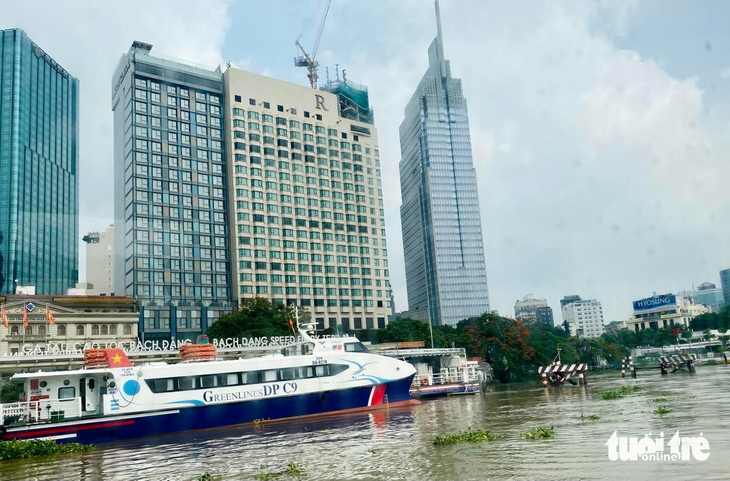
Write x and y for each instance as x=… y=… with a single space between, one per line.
x=600 y=129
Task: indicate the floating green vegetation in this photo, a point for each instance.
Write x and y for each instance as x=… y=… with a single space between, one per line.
x=540 y=433
x=208 y=477
x=466 y=437
x=620 y=392
x=590 y=417
x=663 y=410
x=39 y=447
x=661 y=399
x=292 y=469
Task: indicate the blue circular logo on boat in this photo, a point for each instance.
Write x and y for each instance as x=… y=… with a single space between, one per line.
x=131 y=387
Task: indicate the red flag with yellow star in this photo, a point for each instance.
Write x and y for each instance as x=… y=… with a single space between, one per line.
x=116 y=357
x=4 y=316
x=25 y=317
x=49 y=316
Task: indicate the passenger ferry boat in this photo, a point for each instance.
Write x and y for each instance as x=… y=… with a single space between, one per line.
x=110 y=398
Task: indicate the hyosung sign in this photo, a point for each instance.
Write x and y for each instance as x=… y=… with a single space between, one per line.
x=655 y=302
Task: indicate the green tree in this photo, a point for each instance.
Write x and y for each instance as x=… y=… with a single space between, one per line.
x=405 y=329
x=707 y=335
x=256 y=318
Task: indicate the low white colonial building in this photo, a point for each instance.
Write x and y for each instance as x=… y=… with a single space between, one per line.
x=78 y=320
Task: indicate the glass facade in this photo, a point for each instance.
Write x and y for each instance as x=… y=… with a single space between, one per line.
x=442 y=232
x=39 y=132
x=171 y=194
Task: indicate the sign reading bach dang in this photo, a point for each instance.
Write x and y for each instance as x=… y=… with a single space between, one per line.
x=655 y=302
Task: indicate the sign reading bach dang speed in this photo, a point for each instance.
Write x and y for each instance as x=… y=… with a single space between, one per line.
x=655 y=302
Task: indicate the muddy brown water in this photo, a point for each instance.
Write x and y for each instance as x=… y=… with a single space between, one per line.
x=398 y=443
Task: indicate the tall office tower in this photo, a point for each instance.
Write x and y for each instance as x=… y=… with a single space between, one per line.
x=442 y=231
x=100 y=262
x=170 y=204
x=39 y=161
x=307 y=220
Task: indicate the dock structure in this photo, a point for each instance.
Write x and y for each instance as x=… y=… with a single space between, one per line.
x=441 y=371
x=628 y=362
x=557 y=374
x=677 y=362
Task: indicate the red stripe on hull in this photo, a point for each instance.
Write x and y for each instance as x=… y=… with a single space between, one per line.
x=43 y=432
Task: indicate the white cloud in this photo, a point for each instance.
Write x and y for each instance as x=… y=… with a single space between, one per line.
x=598 y=172
x=87 y=39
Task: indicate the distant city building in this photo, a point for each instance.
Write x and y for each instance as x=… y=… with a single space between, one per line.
x=77 y=319
x=307 y=217
x=526 y=308
x=170 y=201
x=664 y=311
x=725 y=281
x=544 y=315
x=707 y=294
x=442 y=232
x=584 y=316
x=615 y=326
x=39 y=165
x=419 y=314
x=100 y=262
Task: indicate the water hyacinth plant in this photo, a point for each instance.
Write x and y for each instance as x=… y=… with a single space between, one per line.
x=620 y=392
x=466 y=437
x=21 y=449
x=540 y=433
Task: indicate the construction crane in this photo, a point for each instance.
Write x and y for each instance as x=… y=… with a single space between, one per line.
x=310 y=60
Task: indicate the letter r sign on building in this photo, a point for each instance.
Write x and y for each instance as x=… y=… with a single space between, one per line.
x=320 y=102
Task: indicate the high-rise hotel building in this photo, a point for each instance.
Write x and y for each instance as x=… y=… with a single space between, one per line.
x=442 y=230
x=306 y=201
x=170 y=200
x=39 y=168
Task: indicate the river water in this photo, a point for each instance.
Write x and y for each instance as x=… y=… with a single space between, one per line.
x=398 y=443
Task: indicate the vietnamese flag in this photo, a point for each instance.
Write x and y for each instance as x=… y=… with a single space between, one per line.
x=4 y=316
x=291 y=324
x=25 y=317
x=49 y=316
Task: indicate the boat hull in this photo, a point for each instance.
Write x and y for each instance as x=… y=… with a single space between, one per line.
x=111 y=428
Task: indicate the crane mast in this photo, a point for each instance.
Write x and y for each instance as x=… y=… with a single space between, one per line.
x=310 y=60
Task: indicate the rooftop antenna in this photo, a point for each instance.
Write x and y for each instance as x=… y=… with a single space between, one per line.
x=439 y=38
x=327 y=69
x=344 y=75
x=337 y=71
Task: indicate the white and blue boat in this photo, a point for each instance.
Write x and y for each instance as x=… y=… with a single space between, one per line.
x=121 y=400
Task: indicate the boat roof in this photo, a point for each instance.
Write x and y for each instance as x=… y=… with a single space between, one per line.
x=37 y=374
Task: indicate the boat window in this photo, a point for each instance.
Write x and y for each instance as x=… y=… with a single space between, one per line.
x=228 y=379
x=355 y=347
x=161 y=385
x=335 y=369
x=186 y=383
x=208 y=381
x=66 y=392
x=269 y=376
x=251 y=377
x=288 y=374
x=323 y=370
x=305 y=372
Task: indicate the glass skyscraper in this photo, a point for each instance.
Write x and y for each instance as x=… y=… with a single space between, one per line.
x=39 y=160
x=170 y=199
x=442 y=232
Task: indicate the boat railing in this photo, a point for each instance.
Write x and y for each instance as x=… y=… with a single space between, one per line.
x=448 y=376
x=42 y=410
